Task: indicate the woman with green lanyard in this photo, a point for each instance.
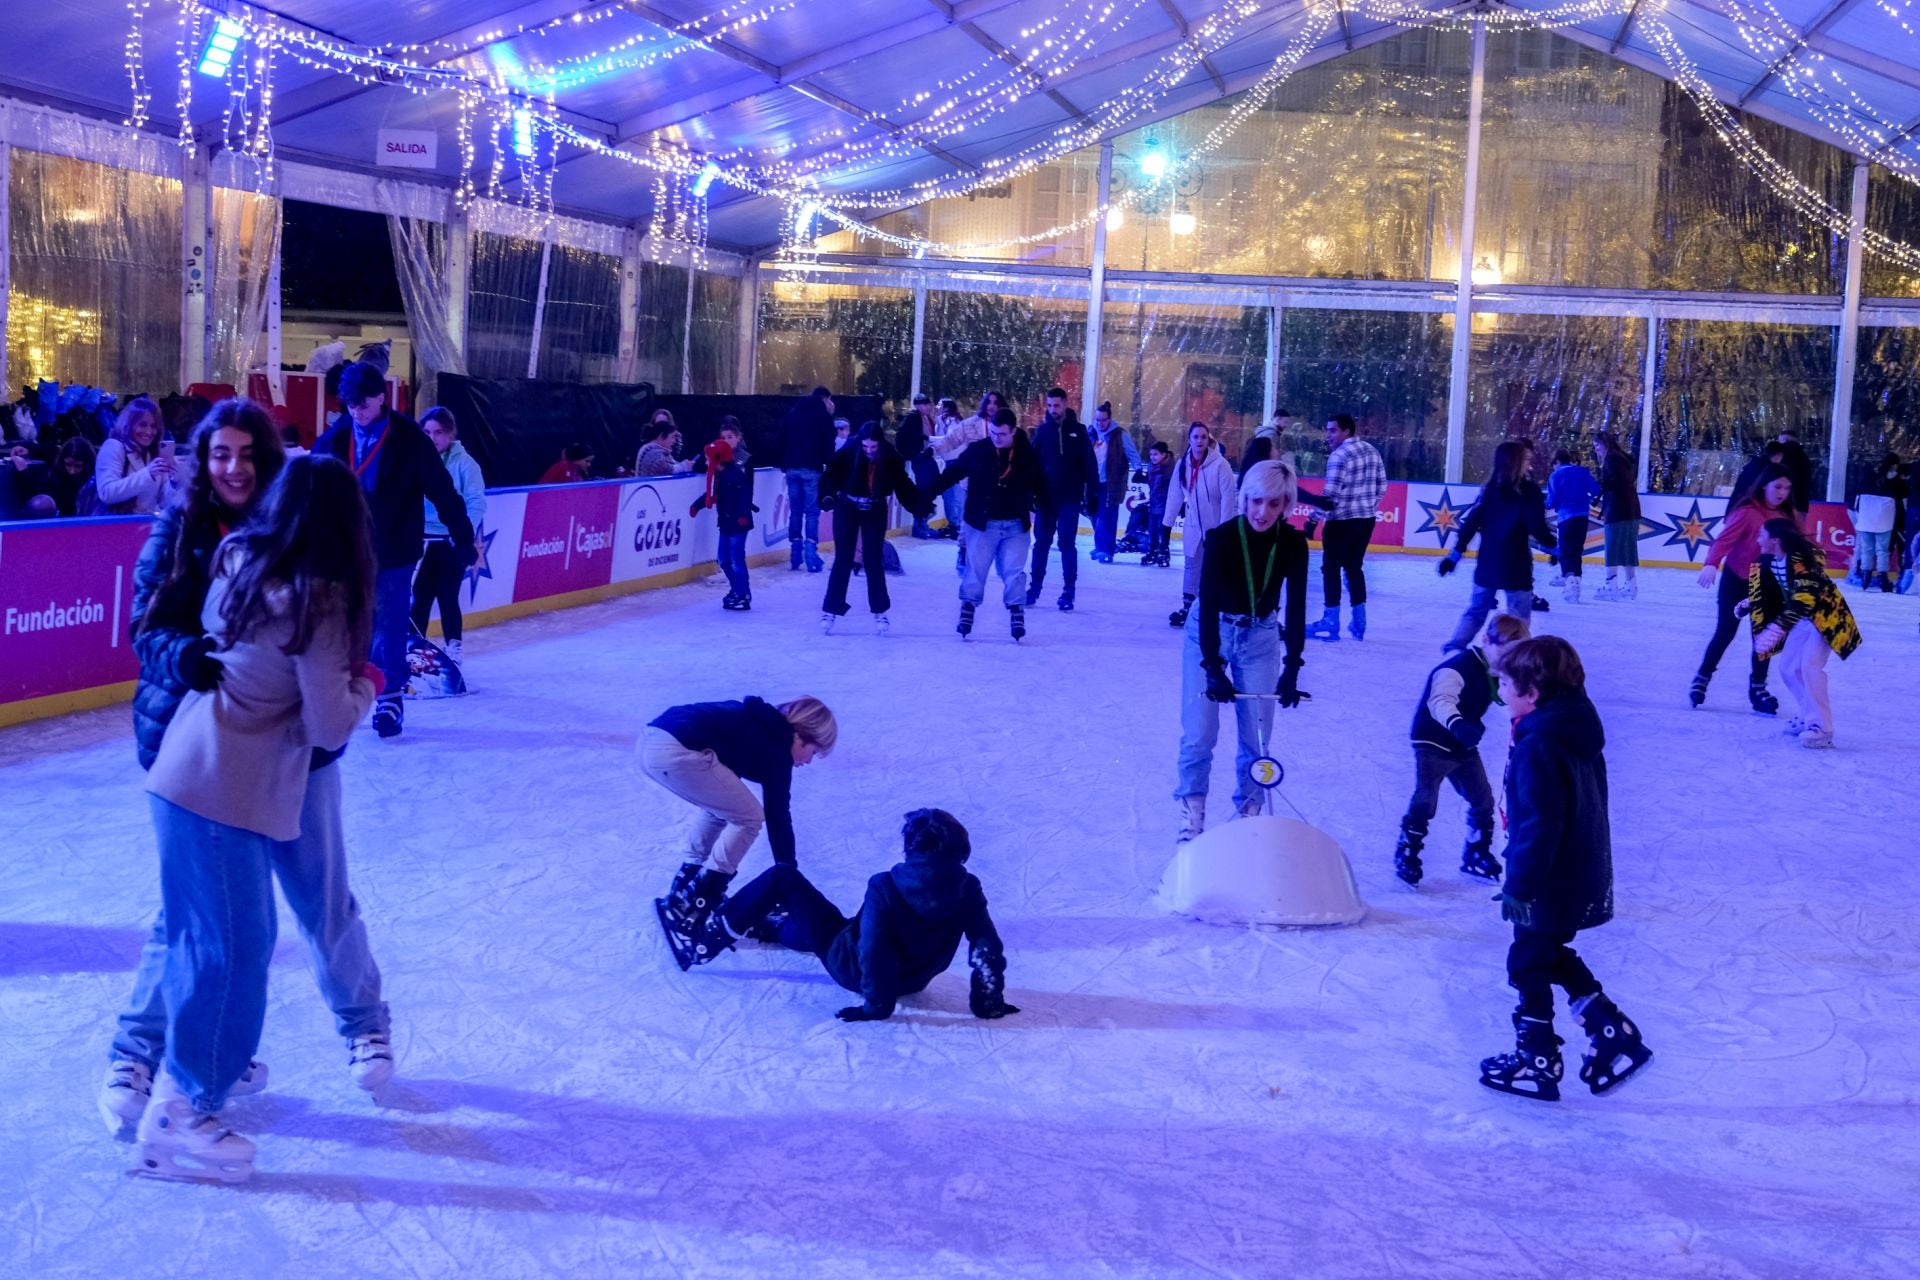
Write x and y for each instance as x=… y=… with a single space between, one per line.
x=1234 y=639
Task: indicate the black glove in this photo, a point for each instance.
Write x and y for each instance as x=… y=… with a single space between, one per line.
x=860 y=1013
x=1467 y=732
x=987 y=993
x=199 y=668
x=1219 y=688
x=1290 y=695
x=1514 y=910
x=1448 y=564
x=1312 y=529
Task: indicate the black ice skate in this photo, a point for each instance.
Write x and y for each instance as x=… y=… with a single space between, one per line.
x=696 y=941
x=1406 y=855
x=386 y=718
x=965 y=625
x=1697 y=691
x=1178 y=618
x=1616 y=1051
x=1533 y=1069
x=1017 y=621
x=1477 y=858
x=679 y=899
x=1762 y=702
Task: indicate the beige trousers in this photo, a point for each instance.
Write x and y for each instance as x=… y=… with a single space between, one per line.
x=729 y=816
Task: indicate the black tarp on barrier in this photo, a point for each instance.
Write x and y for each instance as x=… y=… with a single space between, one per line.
x=516 y=428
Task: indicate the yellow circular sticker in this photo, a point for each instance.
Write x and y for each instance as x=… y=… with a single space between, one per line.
x=1267 y=771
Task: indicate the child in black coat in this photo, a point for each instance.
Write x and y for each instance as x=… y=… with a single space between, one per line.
x=905 y=935
x=729 y=492
x=1447 y=728
x=1559 y=874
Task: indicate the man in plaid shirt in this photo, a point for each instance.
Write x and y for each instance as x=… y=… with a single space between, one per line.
x=1356 y=481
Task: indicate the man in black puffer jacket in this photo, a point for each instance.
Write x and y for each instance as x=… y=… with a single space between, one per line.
x=400 y=471
x=1559 y=873
x=905 y=935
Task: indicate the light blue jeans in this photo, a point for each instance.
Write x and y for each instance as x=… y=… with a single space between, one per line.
x=1253 y=664
x=1003 y=544
x=1872 y=551
x=1519 y=604
x=313 y=874
x=803 y=506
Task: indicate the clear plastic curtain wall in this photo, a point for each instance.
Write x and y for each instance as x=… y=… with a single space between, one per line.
x=660 y=326
x=1165 y=365
x=94 y=287
x=1390 y=369
x=1893 y=209
x=246 y=244
x=1019 y=344
x=1886 y=401
x=714 y=362
x=1724 y=389
x=1558 y=381
x=846 y=337
x=504 y=287
x=580 y=327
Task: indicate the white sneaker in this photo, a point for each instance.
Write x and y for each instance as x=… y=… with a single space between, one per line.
x=1572 y=593
x=456 y=649
x=1193 y=818
x=1817 y=738
x=370 y=1057
x=1793 y=727
x=178 y=1143
x=880 y=624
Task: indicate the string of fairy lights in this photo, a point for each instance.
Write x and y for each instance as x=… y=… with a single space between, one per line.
x=507 y=99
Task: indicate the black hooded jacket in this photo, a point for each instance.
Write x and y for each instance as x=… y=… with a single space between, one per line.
x=1559 y=842
x=1000 y=485
x=908 y=930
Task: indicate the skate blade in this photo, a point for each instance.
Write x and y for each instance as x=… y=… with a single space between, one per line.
x=1614 y=1076
x=1484 y=877
x=1542 y=1090
x=171 y=1166
x=1411 y=886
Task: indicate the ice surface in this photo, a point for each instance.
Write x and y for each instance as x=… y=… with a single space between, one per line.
x=1174 y=1099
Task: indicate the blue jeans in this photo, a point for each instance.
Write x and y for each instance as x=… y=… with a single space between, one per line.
x=803 y=506
x=392 y=614
x=313 y=874
x=1519 y=604
x=1106 y=524
x=1253 y=664
x=953 y=504
x=1062 y=527
x=733 y=562
x=1001 y=545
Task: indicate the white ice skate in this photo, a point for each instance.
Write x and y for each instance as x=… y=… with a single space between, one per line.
x=1817 y=738
x=880 y=624
x=1193 y=818
x=179 y=1144
x=826 y=623
x=128 y=1086
x=1793 y=728
x=1572 y=593
x=370 y=1057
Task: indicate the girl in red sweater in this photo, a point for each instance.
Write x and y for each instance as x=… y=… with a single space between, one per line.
x=1734 y=550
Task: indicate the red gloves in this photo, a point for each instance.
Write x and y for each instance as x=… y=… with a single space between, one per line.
x=367 y=671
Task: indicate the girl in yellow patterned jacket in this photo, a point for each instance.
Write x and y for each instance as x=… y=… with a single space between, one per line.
x=1799 y=614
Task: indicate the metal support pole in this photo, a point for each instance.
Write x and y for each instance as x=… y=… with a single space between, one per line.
x=627 y=361
x=1457 y=386
x=1097 y=289
x=749 y=371
x=1270 y=393
x=686 y=335
x=1649 y=371
x=276 y=347
x=459 y=273
x=1840 y=437
x=919 y=335
x=6 y=177
x=196 y=263
x=539 y=309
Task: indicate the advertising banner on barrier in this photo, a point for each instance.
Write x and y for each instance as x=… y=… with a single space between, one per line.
x=566 y=540
x=66 y=592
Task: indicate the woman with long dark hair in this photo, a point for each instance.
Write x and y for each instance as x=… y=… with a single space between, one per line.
x=1799 y=614
x=1619 y=519
x=1510 y=510
x=855 y=488
x=289 y=613
x=1734 y=550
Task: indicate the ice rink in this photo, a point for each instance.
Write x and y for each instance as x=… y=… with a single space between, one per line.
x=1175 y=1099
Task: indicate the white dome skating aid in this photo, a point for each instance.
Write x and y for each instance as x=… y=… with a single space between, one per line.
x=1263 y=870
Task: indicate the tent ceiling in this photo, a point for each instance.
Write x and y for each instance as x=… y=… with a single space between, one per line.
x=814 y=74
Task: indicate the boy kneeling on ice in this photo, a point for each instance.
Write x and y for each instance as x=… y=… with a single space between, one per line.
x=905 y=935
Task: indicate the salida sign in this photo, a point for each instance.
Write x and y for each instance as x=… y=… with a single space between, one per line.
x=407 y=148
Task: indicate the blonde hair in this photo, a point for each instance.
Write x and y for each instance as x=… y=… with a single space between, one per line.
x=1505 y=628
x=1268 y=480
x=813 y=722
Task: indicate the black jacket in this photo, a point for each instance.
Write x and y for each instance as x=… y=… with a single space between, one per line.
x=754 y=740
x=809 y=436
x=911 y=435
x=1259 y=449
x=1800 y=467
x=1223 y=585
x=732 y=494
x=160 y=687
x=908 y=930
x=1559 y=843
x=852 y=476
x=1619 y=490
x=411 y=474
x=1066 y=455
x=1466 y=683
x=1504 y=519
x=997 y=488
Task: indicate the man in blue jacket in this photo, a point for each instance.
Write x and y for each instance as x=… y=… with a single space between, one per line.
x=400 y=472
x=1073 y=483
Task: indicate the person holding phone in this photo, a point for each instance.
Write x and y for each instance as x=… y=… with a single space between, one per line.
x=136 y=468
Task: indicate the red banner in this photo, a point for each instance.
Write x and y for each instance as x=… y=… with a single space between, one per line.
x=566 y=540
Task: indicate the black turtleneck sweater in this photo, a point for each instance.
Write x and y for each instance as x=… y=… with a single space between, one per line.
x=1223 y=583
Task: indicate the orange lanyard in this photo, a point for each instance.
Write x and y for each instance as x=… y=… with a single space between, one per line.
x=361 y=464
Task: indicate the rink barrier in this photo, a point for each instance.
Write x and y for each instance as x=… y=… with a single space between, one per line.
x=66 y=586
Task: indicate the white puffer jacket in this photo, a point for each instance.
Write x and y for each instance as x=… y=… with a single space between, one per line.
x=1201 y=498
